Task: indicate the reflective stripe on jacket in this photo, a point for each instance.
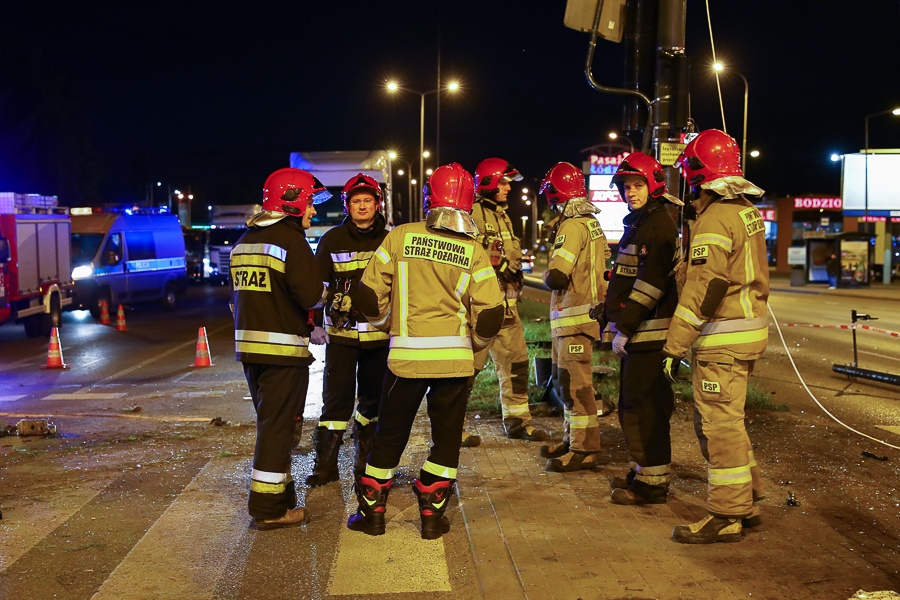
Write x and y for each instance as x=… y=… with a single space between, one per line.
x=493 y=223
x=275 y=280
x=642 y=295
x=580 y=252
x=343 y=253
x=722 y=308
x=431 y=286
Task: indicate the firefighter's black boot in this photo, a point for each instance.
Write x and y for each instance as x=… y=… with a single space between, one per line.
x=516 y=429
x=372 y=497
x=362 y=441
x=709 y=530
x=572 y=461
x=433 y=501
x=325 y=469
x=554 y=449
x=617 y=482
x=470 y=440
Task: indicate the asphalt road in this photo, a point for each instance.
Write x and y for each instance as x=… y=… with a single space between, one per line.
x=140 y=496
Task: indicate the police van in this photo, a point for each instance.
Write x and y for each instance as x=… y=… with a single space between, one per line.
x=125 y=258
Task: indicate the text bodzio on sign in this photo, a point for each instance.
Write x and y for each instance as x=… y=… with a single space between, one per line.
x=823 y=203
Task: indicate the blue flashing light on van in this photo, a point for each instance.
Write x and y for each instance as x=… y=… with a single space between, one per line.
x=127 y=258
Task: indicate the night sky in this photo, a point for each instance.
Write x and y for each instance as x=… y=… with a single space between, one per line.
x=98 y=100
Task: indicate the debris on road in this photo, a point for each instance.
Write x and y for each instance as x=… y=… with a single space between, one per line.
x=868 y=454
x=35 y=427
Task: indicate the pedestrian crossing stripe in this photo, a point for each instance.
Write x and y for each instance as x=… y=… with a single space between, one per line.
x=86 y=396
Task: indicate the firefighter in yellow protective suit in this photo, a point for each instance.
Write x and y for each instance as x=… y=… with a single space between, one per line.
x=722 y=319
x=508 y=350
x=575 y=276
x=432 y=286
x=275 y=280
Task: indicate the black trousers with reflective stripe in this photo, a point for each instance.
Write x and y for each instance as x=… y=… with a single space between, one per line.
x=646 y=402
x=352 y=372
x=401 y=400
x=278 y=394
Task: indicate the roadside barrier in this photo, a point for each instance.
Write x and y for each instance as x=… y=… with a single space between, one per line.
x=120 y=320
x=852 y=326
x=201 y=357
x=54 y=352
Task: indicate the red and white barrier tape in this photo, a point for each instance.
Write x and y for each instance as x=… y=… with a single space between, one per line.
x=857 y=326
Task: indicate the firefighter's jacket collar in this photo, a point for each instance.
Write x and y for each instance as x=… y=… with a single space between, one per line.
x=492 y=204
x=732 y=187
x=451 y=219
x=577 y=207
x=264 y=218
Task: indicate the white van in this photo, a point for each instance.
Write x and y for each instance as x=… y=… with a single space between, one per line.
x=127 y=259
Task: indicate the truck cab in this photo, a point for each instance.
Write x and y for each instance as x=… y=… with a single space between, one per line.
x=334 y=169
x=35 y=268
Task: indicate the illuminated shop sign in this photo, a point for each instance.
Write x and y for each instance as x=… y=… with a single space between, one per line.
x=829 y=203
x=605 y=165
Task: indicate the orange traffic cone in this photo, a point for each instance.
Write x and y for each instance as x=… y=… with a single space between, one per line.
x=120 y=320
x=104 y=313
x=201 y=359
x=54 y=352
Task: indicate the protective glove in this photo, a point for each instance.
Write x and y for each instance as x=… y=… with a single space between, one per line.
x=670 y=367
x=618 y=344
x=339 y=310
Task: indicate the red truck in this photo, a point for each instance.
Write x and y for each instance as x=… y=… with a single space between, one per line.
x=35 y=262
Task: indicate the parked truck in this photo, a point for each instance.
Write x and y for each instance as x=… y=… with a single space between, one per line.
x=35 y=263
x=226 y=224
x=333 y=169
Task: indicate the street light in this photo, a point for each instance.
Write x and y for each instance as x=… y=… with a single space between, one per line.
x=615 y=136
x=394 y=87
x=895 y=112
x=524 y=232
x=719 y=67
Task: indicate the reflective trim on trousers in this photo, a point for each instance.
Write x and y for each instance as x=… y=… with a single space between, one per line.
x=379 y=473
x=440 y=471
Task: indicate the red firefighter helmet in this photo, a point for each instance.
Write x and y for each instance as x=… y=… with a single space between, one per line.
x=643 y=165
x=290 y=190
x=361 y=183
x=711 y=155
x=490 y=172
x=563 y=182
x=450 y=186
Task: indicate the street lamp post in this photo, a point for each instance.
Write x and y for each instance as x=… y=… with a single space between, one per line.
x=409 y=181
x=524 y=231
x=394 y=87
x=534 y=213
x=719 y=67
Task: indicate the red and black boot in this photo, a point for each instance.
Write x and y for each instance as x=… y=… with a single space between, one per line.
x=433 y=501
x=372 y=497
